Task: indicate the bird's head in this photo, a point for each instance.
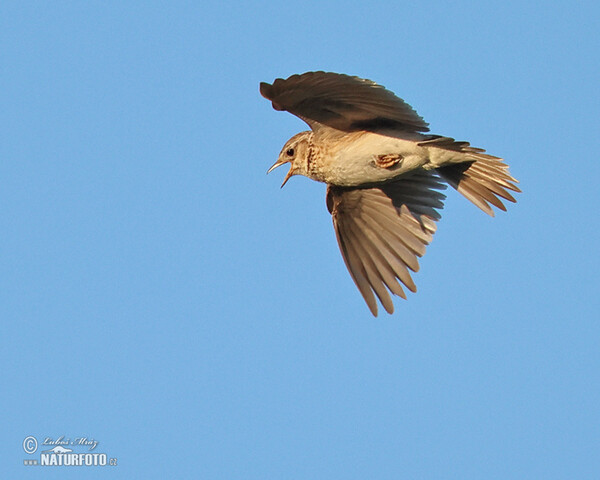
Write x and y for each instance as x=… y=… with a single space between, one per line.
x=294 y=152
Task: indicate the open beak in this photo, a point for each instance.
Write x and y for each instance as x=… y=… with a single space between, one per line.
x=290 y=173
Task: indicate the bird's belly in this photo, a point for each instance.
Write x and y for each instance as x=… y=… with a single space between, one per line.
x=357 y=163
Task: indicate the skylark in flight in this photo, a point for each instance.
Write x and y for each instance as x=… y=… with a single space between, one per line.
x=383 y=174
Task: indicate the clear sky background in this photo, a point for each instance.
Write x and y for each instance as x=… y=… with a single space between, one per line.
x=160 y=294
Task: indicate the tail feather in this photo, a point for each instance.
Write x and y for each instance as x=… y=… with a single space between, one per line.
x=484 y=180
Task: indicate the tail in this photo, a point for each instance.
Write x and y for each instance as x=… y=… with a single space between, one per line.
x=483 y=179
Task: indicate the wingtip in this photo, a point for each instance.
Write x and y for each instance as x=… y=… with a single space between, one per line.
x=265 y=89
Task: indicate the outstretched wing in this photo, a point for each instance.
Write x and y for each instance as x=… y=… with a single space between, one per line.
x=342 y=102
x=381 y=232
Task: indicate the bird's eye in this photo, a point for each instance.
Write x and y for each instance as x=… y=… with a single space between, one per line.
x=290 y=152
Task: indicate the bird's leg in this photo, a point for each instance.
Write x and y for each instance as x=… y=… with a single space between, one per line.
x=388 y=160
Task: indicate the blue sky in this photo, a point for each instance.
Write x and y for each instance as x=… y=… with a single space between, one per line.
x=160 y=294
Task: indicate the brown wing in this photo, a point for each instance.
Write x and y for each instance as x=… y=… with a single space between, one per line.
x=342 y=102
x=381 y=232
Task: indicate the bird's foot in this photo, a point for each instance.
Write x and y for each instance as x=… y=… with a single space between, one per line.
x=388 y=160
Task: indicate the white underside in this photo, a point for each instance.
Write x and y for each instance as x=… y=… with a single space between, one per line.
x=353 y=161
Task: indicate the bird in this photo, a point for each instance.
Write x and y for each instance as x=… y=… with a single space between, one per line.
x=384 y=173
